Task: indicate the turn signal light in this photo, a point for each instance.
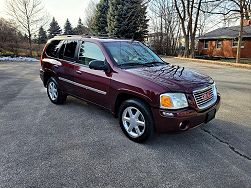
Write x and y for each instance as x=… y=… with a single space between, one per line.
x=166 y=101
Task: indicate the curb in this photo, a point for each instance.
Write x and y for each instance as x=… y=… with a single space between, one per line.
x=237 y=65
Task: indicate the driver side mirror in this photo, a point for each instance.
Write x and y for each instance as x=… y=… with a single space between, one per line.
x=99 y=65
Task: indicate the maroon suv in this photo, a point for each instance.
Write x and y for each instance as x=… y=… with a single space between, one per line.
x=131 y=81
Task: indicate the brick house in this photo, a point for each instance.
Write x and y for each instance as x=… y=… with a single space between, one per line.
x=223 y=42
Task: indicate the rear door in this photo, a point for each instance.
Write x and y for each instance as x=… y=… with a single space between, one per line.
x=93 y=84
x=67 y=57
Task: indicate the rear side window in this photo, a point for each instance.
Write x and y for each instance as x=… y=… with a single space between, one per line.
x=70 y=48
x=53 y=48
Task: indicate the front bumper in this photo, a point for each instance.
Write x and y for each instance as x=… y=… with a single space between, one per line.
x=166 y=121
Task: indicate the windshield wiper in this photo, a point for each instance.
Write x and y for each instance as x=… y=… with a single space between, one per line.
x=130 y=64
x=155 y=62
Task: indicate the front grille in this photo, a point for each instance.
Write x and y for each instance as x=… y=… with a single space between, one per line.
x=205 y=97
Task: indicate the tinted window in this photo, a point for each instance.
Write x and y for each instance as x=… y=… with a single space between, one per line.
x=61 y=51
x=70 y=48
x=53 y=48
x=90 y=51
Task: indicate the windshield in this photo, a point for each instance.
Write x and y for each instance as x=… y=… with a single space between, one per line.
x=126 y=53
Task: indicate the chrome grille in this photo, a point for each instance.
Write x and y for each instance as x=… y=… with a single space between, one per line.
x=205 y=97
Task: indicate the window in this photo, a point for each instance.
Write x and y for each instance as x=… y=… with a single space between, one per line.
x=131 y=52
x=70 y=48
x=53 y=48
x=206 y=44
x=89 y=52
x=218 y=44
x=61 y=51
x=235 y=43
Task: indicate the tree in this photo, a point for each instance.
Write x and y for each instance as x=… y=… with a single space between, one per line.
x=127 y=19
x=42 y=36
x=165 y=25
x=90 y=14
x=80 y=29
x=99 y=26
x=68 y=30
x=188 y=13
x=28 y=14
x=54 y=29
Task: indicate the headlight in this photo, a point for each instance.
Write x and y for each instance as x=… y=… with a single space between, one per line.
x=173 y=101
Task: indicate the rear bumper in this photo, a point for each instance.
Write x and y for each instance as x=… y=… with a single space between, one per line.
x=42 y=75
x=172 y=119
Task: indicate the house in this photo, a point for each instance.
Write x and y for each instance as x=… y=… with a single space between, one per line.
x=223 y=42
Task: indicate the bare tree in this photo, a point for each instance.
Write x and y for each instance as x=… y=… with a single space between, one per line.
x=89 y=13
x=189 y=13
x=165 y=26
x=29 y=14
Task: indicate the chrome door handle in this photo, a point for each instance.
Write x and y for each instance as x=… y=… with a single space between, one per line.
x=78 y=72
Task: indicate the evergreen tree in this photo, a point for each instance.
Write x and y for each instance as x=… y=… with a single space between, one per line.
x=99 y=25
x=68 y=30
x=127 y=19
x=80 y=29
x=42 y=36
x=54 y=29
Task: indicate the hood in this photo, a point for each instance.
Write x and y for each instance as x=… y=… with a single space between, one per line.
x=173 y=78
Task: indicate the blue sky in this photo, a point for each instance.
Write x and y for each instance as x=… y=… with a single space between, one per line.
x=60 y=9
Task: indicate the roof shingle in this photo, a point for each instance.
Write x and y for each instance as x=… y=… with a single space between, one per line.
x=227 y=32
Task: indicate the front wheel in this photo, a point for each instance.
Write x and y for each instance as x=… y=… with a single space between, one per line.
x=136 y=120
x=55 y=95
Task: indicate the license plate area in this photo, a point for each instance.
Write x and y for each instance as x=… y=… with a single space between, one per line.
x=210 y=116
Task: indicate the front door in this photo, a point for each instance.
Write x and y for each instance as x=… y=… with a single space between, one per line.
x=93 y=85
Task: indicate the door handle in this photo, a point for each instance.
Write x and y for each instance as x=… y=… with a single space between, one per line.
x=56 y=66
x=78 y=72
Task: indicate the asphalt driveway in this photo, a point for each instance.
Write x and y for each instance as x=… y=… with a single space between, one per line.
x=81 y=145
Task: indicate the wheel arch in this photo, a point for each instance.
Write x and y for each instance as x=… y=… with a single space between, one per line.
x=125 y=95
x=47 y=75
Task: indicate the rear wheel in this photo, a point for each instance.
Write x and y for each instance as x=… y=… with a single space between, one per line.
x=55 y=95
x=136 y=120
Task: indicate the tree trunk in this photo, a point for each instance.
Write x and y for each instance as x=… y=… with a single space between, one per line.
x=30 y=45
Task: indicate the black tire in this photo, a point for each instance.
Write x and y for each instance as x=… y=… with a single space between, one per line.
x=137 y=104
x=61 y=97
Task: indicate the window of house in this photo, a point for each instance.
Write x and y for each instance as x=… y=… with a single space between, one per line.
x=218 y=44
x=53 y=48
x=89 y=52
x=235 y=43
x=206 y=44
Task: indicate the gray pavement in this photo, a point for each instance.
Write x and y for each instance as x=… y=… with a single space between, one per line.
x=81 y=145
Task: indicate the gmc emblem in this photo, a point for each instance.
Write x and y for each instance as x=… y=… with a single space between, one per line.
x=206 y=95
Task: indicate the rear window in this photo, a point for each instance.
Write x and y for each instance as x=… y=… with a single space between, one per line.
x=53 y=48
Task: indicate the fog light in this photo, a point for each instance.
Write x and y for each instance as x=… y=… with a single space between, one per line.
x=183 y=126
x=167 y=114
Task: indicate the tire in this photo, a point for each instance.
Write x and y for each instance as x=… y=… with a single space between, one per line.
x=55 y=95
x=136 y=120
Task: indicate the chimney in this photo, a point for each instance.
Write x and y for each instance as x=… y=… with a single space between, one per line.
x=246 y=22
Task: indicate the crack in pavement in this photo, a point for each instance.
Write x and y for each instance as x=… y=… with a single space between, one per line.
x=224 y=142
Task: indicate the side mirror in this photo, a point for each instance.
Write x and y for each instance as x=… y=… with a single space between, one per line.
x=98 y=65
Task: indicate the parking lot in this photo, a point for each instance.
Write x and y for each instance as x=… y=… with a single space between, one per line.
x=81 y=145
